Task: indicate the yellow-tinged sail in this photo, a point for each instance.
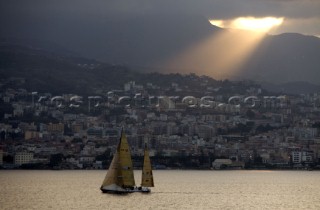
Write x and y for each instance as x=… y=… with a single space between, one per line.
x=120 y=172
x=125 y=163
x=147 y=176
x=112 y=175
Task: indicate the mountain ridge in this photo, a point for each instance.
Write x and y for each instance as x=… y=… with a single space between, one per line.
x=48 y=71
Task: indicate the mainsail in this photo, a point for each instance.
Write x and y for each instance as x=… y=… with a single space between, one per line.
x=147 y=177
x=120 y=173
x=126 y=168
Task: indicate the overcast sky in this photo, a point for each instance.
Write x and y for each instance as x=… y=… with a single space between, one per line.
x=172 y=35
x=302 y=16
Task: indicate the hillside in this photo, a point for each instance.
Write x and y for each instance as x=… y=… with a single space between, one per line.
x=285 y=58
x=48 y=71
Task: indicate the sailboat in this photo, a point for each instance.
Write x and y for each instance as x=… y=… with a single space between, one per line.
x=120 y=177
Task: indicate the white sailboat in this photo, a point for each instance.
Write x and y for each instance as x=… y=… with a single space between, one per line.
x=120 y=177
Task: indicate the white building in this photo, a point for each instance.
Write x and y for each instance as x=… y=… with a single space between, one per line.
x=302 y=156
x=296 y=157
x=217 y=163
x=23 y=158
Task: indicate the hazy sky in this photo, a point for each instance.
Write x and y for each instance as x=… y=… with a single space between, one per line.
x=302 y=16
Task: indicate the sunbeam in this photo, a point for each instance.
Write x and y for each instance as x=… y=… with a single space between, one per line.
x=220 y=55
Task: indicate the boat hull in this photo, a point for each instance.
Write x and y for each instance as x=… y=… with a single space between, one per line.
x=126 y=190
x=141 y=189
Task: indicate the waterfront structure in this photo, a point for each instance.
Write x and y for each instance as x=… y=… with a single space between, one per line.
x=23 y=158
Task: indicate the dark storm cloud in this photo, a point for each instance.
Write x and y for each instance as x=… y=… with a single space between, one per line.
x=15 y=12
x=211 y=8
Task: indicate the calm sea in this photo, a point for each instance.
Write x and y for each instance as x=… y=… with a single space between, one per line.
x=175 y=189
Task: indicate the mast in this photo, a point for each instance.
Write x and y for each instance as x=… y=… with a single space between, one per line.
x=147 y=176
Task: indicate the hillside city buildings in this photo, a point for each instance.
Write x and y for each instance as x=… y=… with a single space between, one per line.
x=248 y=128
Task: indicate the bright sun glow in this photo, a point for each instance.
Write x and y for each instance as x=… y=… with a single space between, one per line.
x=223 y=53
x=250 y=23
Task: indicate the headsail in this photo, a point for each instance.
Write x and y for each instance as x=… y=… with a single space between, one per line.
x=111 y=178
x=147 y=176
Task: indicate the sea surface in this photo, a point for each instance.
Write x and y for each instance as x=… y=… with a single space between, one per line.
x=174 y=189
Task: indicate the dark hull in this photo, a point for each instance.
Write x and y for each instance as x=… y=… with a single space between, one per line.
x=126 y=191
x=114 y=192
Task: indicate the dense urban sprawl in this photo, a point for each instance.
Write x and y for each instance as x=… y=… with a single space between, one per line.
x=184 y=128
